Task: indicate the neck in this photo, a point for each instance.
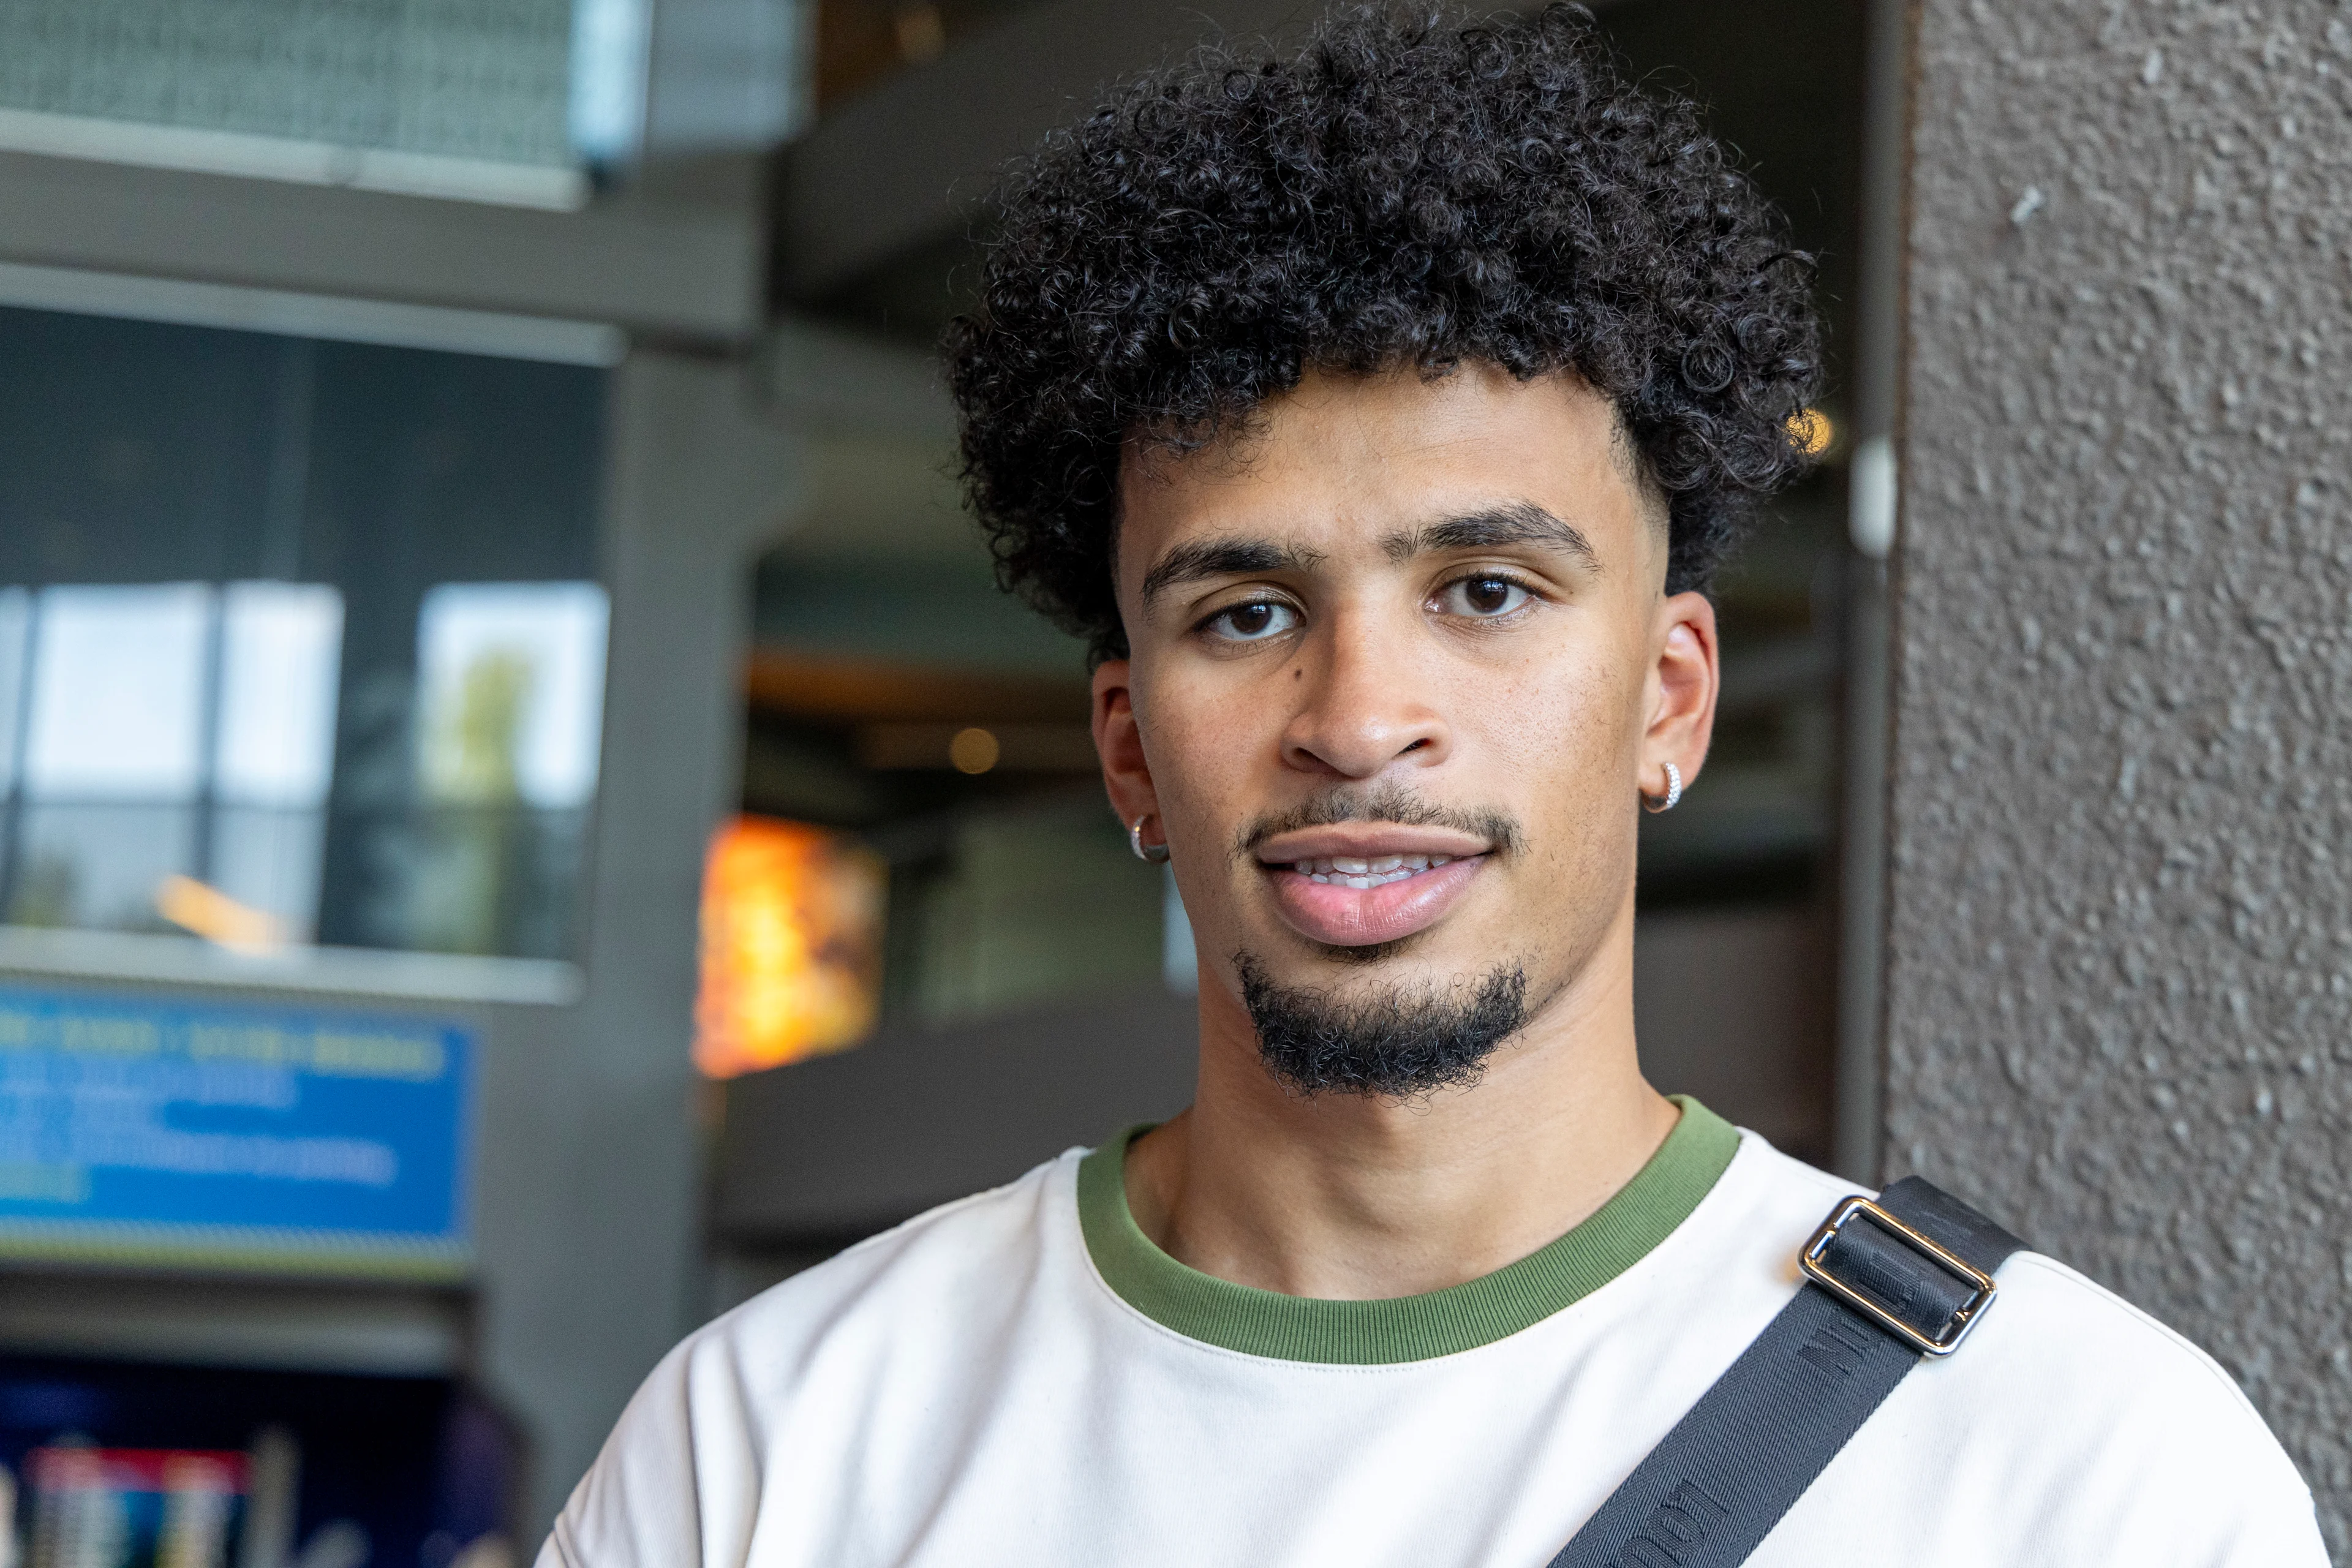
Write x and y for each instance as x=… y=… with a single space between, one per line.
x=1344 y=1197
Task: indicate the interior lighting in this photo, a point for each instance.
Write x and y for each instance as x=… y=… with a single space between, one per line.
x=208 y=912
x=973 y=751
x=921 y=33
x=792 y=945
x=1811 y=431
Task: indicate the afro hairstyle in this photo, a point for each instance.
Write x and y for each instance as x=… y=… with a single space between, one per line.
x=1405 y=189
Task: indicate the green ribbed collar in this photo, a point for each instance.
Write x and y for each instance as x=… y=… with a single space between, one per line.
x=1406 y=1328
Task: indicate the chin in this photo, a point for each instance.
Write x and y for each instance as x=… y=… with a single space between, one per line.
x=1398 y=1032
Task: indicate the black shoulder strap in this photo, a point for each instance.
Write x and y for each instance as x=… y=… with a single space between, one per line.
x=1888 y=1283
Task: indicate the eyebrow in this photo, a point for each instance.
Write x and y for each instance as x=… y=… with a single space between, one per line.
x=1490 y=527
x=1515 y=523
x=1207 y=558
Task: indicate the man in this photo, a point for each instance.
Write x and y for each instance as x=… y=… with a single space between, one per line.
x=1378 y=412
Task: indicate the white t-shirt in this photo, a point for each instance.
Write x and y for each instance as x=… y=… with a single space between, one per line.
x=1021 y=1378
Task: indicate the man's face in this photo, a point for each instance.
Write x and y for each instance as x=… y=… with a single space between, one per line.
x=1399 y=662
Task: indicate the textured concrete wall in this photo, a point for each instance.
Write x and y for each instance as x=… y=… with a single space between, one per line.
x=2120 y=980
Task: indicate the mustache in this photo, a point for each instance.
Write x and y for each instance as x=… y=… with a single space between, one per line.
x=1387 y=802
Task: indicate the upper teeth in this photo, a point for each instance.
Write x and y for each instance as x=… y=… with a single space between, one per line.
x=1349 y=871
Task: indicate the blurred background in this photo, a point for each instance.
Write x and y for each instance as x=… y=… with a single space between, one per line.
x=524 y=818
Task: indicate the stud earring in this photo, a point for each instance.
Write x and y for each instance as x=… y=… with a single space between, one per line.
x=1654 y=803
x=1154 y=853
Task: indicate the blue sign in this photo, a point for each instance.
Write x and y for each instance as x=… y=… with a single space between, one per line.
x=163 y=1131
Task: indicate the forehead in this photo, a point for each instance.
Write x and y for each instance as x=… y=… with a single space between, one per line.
x=1350 y=458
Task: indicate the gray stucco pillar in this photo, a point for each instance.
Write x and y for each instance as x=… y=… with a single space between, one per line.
x=2119 y=971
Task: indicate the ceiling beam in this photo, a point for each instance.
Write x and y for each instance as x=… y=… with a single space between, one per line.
x=675 y=264
x=908 y=163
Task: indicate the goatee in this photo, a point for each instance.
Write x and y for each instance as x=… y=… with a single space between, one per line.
x=1397 y=1043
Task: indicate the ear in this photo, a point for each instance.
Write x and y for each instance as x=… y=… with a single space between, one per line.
x=1685 y=675
x=1119 y=742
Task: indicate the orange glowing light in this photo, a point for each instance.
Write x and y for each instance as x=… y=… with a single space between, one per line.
x=197 y=907
x=791 y=946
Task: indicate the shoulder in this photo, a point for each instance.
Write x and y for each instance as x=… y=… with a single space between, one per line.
x=2048 y=1320
x=680 y=1478
x=2063 y=1351
x=976 y=1251
x=2071 y=1406
x=2116 y=1436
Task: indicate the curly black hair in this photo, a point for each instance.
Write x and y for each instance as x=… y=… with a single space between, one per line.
x=1405 y=189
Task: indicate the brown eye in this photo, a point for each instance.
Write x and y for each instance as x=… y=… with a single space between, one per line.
x=1483 y=598
x=1253 y=622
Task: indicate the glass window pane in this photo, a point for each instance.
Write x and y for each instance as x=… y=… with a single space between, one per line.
x=299 y=639
x=15 y=630
x=118 y=693
x=512 y=678
x=267 y=858
x=98 y=865
x=281 y=648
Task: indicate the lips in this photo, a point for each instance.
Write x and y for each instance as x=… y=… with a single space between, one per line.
x=1341 y=915
x=1356 y=884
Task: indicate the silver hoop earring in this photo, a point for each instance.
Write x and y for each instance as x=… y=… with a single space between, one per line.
x=1153 y=854
x=1653 y=804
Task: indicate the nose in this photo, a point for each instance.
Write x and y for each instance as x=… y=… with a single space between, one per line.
x=1362 y=704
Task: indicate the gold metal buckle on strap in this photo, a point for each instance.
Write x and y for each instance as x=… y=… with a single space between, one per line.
x=1962 y=1321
